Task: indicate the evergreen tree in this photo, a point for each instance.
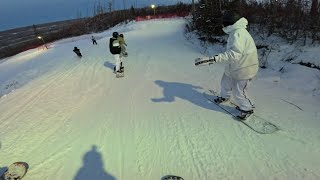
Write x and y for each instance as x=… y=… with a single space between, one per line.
x=314 y=8
x=208 y=17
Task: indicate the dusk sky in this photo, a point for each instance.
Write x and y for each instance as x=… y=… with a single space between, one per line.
x=19 y=13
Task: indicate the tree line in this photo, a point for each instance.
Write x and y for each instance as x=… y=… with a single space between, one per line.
x=291 y=19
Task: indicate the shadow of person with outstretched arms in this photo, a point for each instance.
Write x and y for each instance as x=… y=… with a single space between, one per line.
x=189 y=92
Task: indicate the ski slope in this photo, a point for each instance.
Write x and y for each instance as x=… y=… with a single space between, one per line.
x=70 y=118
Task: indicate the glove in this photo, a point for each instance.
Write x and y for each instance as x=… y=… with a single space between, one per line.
x=204 y=61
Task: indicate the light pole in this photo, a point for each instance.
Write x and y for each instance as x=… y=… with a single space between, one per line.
x=154 y=9
x=39 y=37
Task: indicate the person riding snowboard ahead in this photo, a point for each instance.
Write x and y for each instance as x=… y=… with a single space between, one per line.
x=77 y=51
x=94 y=42
x=115 y=49
x=242 y=63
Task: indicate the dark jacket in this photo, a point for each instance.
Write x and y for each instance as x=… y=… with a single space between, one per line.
x=114 y=46
x=77 y=51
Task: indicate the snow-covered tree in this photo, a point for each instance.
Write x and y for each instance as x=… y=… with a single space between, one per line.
x=207 y=17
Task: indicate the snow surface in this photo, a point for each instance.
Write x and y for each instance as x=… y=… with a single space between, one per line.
x=70 y=118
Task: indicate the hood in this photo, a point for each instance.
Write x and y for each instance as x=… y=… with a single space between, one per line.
x=240 y=24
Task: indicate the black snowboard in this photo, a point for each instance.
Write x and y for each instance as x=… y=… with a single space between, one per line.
x=172 y=177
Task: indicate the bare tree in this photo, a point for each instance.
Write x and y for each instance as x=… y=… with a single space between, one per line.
x=110 y=6
x=124 y=4
x=207 y=17
x=193 y=7
x=314 y=11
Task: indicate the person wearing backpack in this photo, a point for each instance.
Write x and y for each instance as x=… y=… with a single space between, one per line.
x=115 y=50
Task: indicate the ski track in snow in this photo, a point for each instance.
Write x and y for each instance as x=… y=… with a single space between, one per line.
x=133 y=125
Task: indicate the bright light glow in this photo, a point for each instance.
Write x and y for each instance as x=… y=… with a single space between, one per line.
x=153 y=6
x=39 y=37
x=28 y=55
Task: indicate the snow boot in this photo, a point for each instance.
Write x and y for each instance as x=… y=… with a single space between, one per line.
x=244 y=114
x=219 y=100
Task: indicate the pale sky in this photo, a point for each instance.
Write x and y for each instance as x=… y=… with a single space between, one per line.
x=19 y=13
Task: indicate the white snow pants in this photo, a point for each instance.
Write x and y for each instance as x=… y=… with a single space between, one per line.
x=238 y=88
x=118 y=60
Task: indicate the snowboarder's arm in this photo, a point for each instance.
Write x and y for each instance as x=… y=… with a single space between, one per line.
x=234 y=50
x=164 y=99
x=197 y=87
x=204 y=61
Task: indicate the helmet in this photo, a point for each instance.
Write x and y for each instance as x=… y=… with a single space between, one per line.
x=115 y=34
x=229 y=18
x=121 y=35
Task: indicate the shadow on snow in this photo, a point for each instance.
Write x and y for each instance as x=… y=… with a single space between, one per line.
x=172 y=90
x=3 y=170
x=93 y=167
x=109 y=65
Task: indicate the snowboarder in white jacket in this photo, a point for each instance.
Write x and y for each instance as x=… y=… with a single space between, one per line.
x=242 y=63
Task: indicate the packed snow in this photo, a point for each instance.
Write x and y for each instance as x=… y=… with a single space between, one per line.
x=71 y=118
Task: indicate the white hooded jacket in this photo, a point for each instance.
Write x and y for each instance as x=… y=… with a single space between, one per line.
x=241 y=55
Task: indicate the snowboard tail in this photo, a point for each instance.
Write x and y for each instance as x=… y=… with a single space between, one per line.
x=119 y=74
x=172 y=177
x=253 y=121
x=15 y=171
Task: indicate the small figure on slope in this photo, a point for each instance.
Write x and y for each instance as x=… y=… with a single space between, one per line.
x=94 y=42
x=242 y=63
x=77 y=51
